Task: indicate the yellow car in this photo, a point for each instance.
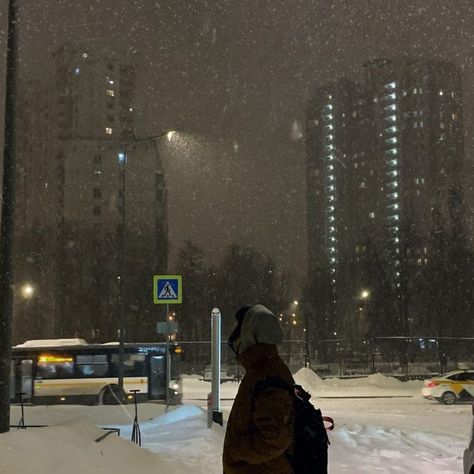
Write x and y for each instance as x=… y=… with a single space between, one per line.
x=451 y=387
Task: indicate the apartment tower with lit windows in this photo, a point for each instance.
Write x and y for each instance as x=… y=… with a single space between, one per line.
x=81 y=184
x=385 y=170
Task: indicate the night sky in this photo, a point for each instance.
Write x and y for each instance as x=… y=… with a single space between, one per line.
x=233 y=77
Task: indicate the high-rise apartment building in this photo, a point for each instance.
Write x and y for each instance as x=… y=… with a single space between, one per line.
x=76 y=195
x=384 y=171
x=95 y=94
x=340 y=188
x=418 y=144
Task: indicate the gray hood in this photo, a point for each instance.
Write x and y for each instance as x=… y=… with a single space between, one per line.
x=259 y=326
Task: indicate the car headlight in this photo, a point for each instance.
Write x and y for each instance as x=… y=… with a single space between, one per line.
x=175 y=386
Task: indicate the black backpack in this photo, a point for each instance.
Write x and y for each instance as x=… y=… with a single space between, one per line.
x=310 y=447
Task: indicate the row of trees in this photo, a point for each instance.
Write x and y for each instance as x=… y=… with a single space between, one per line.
x=431 y=297
x=74 y=280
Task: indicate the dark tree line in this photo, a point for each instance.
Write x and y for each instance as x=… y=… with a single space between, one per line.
x=75 y=274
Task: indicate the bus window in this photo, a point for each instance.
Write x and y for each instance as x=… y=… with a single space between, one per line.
x=92 y=365
x=55 y=367
x=133 y=365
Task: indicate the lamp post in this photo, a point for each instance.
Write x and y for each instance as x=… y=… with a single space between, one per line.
x=122 y=156
x=7 y=219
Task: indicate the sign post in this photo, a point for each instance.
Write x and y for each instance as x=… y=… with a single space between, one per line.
x=216 y=365
x=167 y=289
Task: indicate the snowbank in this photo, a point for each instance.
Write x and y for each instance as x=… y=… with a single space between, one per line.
x=376 y=385
x=179 y=442
x=70 y=449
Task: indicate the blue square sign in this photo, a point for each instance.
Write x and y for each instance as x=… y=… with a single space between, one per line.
x=167 y=289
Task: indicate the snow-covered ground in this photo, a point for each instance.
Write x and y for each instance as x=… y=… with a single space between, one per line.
x=372 y=435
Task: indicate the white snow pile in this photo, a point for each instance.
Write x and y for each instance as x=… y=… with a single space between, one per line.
x=376 y=385
x=180 y=440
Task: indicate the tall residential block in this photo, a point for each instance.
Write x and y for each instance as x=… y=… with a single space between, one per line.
x=385 y=163
x=75 y=181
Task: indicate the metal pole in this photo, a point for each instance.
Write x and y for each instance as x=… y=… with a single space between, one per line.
x=168 y=357
x=122 y=278
x=216 y=365
x=7 y=221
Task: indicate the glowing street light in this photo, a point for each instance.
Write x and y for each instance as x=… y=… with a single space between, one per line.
x=365 y=294
x=27 y=291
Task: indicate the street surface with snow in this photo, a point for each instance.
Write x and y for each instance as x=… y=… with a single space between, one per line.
x=400 y=432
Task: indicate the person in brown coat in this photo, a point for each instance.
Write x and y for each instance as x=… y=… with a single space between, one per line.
x=260 y=426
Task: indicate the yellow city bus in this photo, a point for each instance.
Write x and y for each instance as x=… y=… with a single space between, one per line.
x=73 y=371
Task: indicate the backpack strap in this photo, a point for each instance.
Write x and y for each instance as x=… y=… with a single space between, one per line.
x=328 y=419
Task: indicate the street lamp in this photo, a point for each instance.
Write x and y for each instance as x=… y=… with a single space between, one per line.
x=27 y=291
x=7 y=222
x=365 y=294
x=122 y=158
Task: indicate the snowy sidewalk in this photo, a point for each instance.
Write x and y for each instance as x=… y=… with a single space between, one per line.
x=408 y=435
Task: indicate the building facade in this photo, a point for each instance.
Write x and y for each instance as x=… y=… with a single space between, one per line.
x=83 y=120
x=385 y=163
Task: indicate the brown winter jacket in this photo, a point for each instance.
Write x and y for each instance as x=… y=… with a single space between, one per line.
x=256 y=440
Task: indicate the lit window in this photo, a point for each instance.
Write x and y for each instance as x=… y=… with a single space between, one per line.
x=110 y=92
x=84 y=55
x=108 y=131
x=421 y=124
x=442 y=126
x=454 y=116
x=354 y=114
x=372 y=215
x=440 y=92
x=77 y=71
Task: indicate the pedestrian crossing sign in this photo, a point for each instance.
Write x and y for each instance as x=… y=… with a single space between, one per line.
x=167 y=289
